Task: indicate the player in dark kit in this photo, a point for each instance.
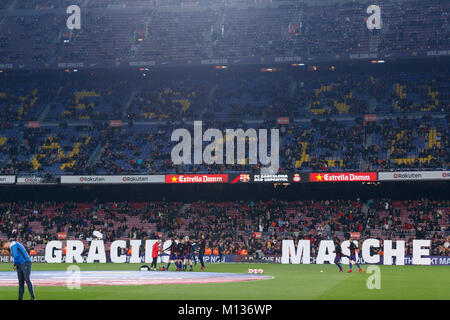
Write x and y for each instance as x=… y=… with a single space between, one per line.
x=173 y=253
x=180 y=255
x=201 y=251
x=353 y=250
x=339 y=255
x=188 y=250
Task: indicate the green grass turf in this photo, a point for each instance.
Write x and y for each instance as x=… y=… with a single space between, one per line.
x=292 y=282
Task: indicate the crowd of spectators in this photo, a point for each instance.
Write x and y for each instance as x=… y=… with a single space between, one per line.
x=327 y=128
x=327 y=145
x=174 y=100
x=406 y=143
x=227 y=32
x=90 y=100
x=255 y=226
x=234 y=95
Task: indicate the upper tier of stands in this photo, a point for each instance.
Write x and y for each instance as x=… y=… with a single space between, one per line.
x=35 y=30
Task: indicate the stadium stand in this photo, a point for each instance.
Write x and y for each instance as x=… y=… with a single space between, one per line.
x=408 y=131
x=223 y=29
x=235 y=225
x=337 y=121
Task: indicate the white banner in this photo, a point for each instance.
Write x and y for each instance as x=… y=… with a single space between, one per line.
x=438 y=53
x=113 y=179
x=7 y=179
x=142 y=63
x=271 y=178
x=413 y=175
x=300 y=252
x=70 y=64
x=29 y=180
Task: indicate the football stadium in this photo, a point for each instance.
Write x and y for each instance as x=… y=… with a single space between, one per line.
x=224 y=150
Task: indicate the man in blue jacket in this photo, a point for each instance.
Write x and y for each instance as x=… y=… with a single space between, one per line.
x=22 y=264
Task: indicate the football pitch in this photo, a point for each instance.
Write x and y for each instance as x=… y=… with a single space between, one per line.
x=289 y=282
